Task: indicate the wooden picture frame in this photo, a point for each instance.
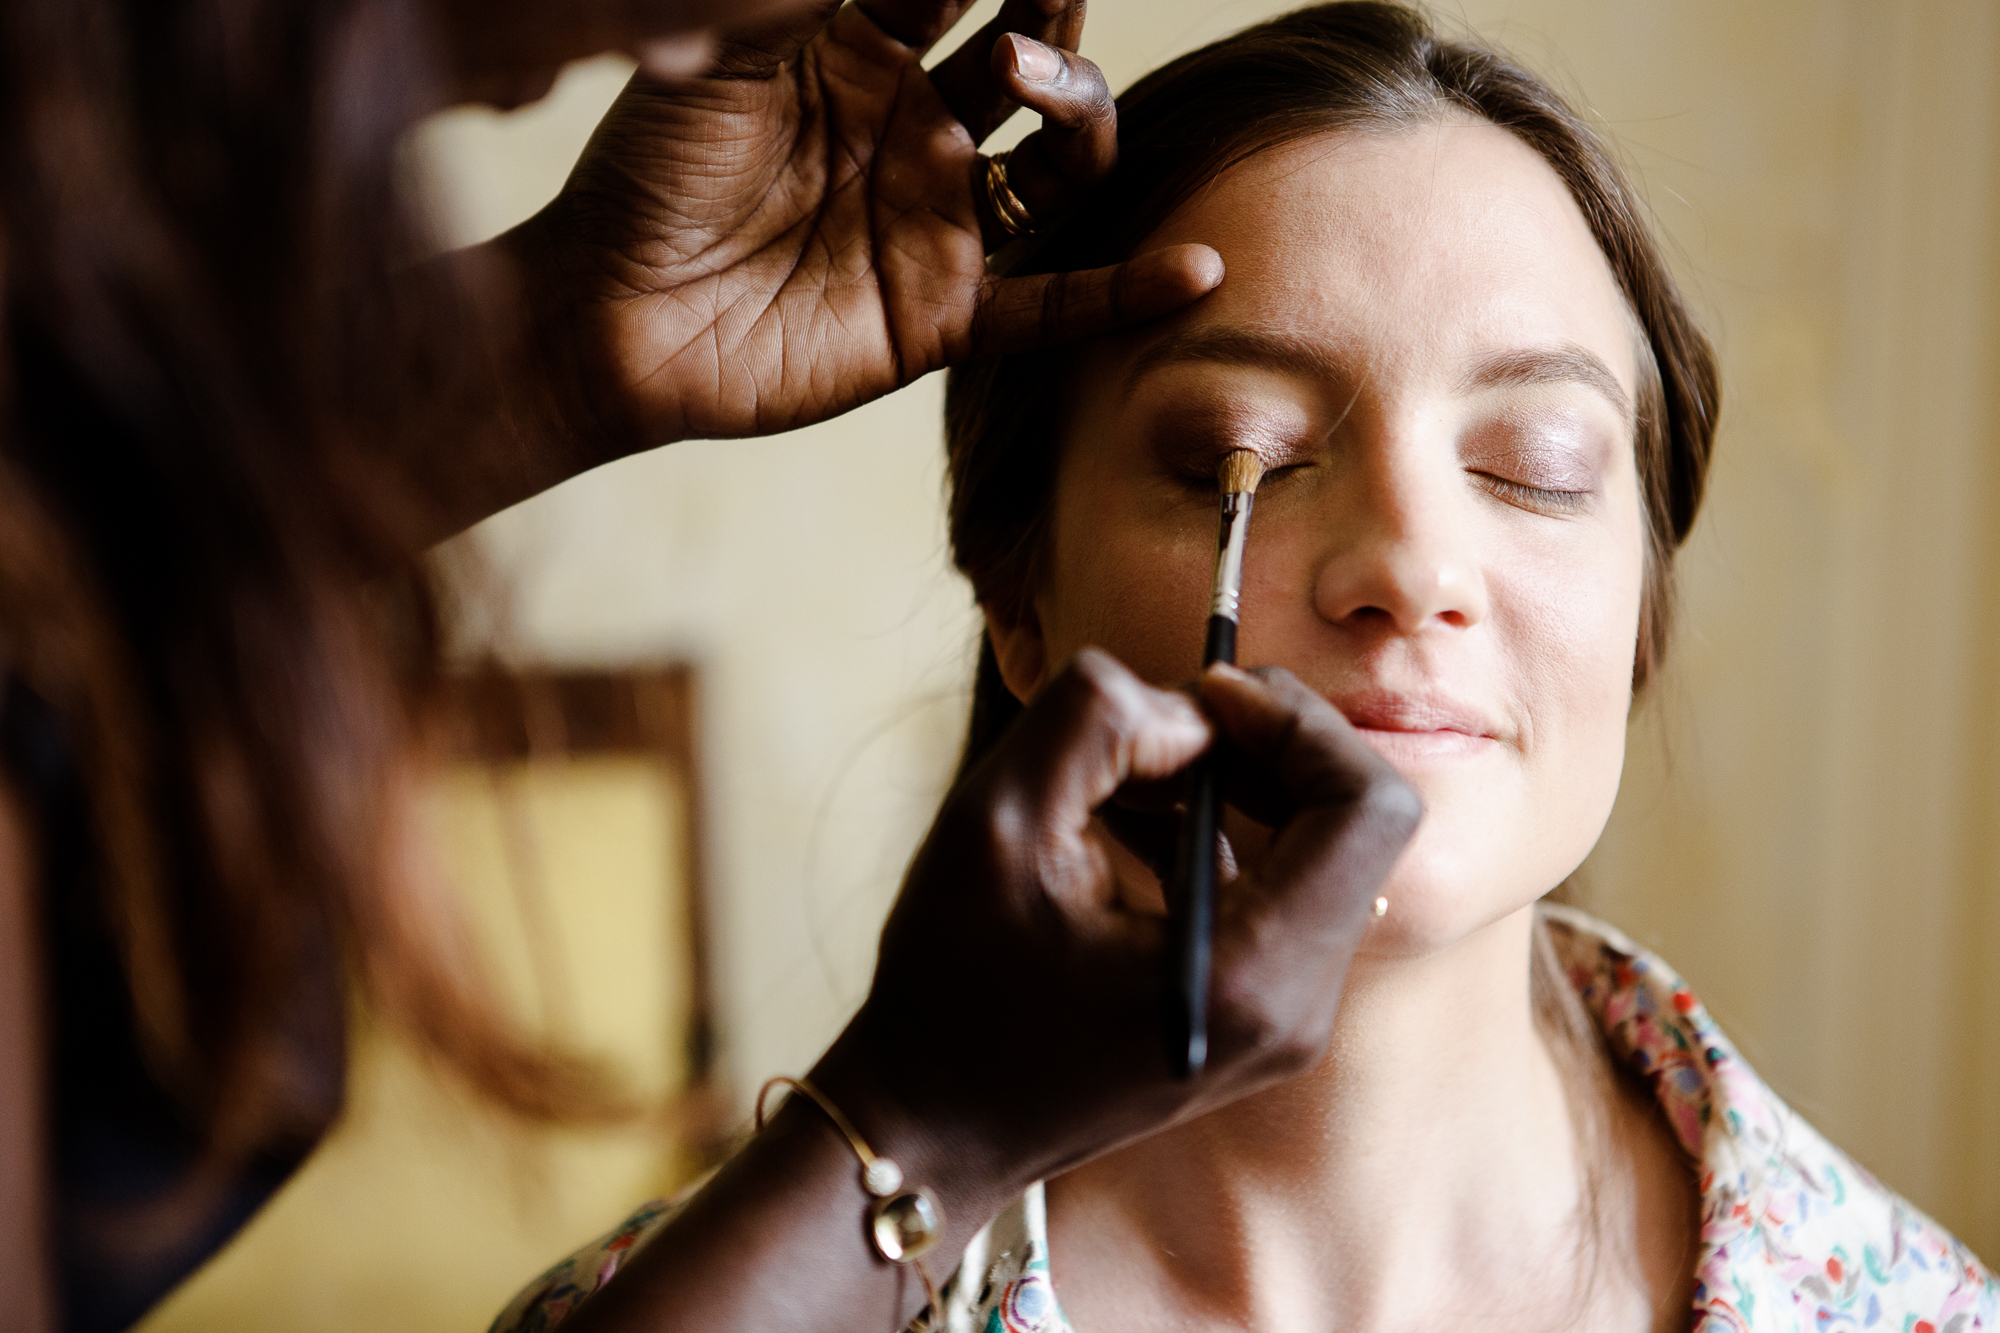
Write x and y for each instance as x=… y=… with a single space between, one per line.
x=651 y=712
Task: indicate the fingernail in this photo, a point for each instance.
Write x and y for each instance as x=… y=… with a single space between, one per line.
x=1228 y=671
x=1034 y=61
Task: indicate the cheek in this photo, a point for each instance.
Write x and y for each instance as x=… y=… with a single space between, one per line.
x=1586 y=642
x=1128 y=576
x=1558 y=645
x=1577 y=634
x=1574 y=633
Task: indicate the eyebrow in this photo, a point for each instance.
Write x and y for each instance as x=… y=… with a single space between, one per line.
x=1566 y=363
x=1238 y=347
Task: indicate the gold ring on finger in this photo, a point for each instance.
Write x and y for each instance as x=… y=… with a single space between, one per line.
x=1012 y=215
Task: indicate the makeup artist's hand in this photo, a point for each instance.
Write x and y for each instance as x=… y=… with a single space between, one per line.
x=806 y=228
x=1016 y=1025
x=1018 y=1009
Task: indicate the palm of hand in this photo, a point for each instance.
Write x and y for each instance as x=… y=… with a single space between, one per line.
x=776 y=246
x=803 y=230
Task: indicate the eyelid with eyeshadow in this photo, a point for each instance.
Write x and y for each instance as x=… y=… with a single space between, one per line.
x=1542 y=452
x=1524 y=496
x=1193 y=419
x=1196 y=466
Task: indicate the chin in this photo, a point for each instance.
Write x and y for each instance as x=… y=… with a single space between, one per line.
x=1452 y=883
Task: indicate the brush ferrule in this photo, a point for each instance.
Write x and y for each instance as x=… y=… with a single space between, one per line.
x=1235 y=532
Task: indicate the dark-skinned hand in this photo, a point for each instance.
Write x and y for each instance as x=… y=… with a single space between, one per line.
x=806 y=228
x=1016 y=1025
x=1018 y=1008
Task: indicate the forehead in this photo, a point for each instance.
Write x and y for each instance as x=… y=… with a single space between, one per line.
x=1416 y=248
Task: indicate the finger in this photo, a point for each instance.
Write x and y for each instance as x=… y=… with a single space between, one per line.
x=1152 y=795
x=1152 y=836
x=1288 y=747
x=1047 y=309
x=1264 y=701
x=915 y=23
x=1287 y=930
x=1349 y=816
x=971 y=81
x=1092 y=729
x=1077 y=144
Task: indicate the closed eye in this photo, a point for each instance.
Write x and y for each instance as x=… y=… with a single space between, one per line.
x=1540 y=499
x=1207 y=483
x=1281 y=473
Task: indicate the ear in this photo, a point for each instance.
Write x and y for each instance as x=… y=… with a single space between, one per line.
x=1019 y=648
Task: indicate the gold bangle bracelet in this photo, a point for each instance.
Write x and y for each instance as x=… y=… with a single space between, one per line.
x=903 y=1224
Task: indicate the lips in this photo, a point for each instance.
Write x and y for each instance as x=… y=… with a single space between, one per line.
x=1419 y=732
x=1416 y=714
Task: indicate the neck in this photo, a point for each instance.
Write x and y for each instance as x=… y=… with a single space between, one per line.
x=1430 y=1156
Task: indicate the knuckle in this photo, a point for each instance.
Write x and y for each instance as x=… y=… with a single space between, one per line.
x=1252 y=1031
x=1300 y=1047
x=1095 y=667
x=1055 y=304
x=1082 y=676
x=1264 y=1039
x=1001 y=829
x=1247 y=1007
x=1095 y=92
x=1083 y=692
x=1389 y=803
x=1085 y=77
x=1117 y=696
x=1289 y=1057
x=981 y=329
x=1291 y=691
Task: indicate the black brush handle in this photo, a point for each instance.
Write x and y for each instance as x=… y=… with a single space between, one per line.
x=1221 y=645
x=1191 y=895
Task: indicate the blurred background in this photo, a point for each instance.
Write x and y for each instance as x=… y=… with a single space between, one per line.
x=1810 y=822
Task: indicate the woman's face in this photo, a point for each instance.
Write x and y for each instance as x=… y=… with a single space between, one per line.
x=1421 y=338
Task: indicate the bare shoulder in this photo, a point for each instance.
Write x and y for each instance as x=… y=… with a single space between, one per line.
x=24 y=1259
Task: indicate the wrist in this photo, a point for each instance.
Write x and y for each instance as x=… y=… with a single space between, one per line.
x=972 y=1176
x=586 y=403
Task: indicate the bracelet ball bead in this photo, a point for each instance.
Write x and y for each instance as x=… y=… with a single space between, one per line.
x=882 y=1177
x=907 y=1226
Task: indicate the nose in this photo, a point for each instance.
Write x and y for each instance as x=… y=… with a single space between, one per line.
x=1400 y=560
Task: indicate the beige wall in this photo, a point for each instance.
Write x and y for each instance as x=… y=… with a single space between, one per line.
x=1809 y=821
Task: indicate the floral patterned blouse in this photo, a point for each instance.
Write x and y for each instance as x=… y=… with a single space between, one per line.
x=1795 y=1237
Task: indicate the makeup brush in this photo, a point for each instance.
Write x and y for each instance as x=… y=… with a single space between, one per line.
x=1191 y=895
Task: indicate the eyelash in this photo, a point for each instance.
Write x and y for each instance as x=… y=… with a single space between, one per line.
x=1516 y=493
x=1534 y=497
x=1206 y=482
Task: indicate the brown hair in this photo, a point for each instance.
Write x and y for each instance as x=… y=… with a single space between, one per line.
x=1362 y=66
x=212 y=383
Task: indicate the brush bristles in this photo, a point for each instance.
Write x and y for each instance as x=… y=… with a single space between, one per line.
x=1240 y=472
